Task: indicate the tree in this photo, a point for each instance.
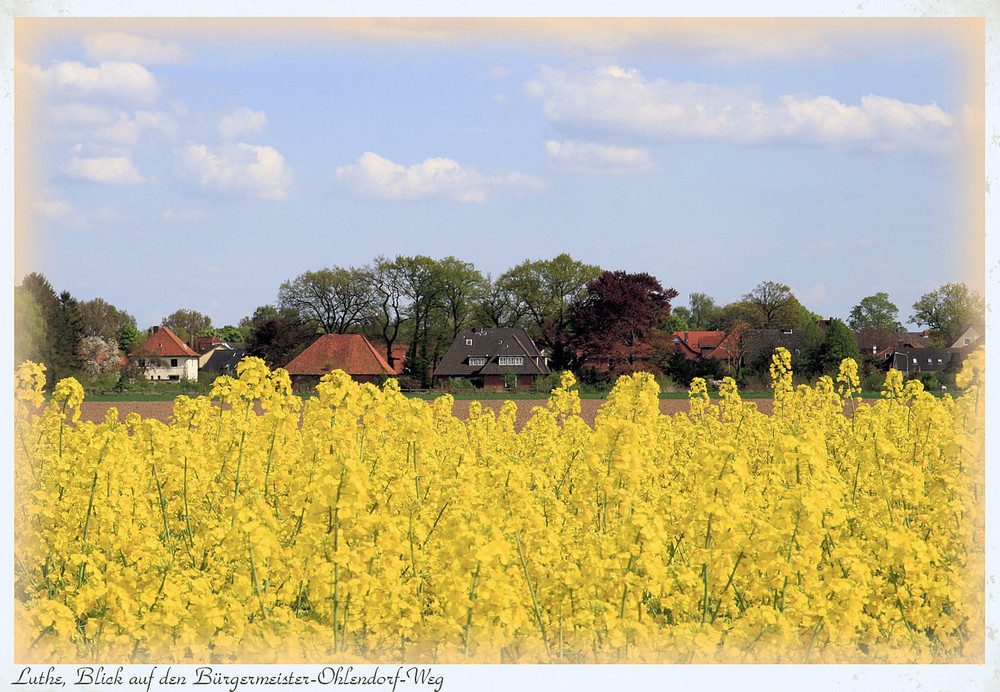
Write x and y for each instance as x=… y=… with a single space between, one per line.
x=548 y=289
x=498 y=306
x=388 y=310
x=875 y=314
x=462 y=287
x=676 y=321
x=186 y=323
x=337 y=299
x=422 y=288
x=704 y=312
x=618 y=320
x=741 y=312
x=949 y=309
x=127 y=336
x=30 y=328
x=838 y=344
x=775 y=302
x=102 y=319
x=100 y=356
x=279 y=339
x=66 y=328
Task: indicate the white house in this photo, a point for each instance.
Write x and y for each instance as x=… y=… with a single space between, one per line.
x=165 y=357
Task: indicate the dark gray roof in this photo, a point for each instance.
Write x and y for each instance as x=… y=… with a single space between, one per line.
x=928 y=359
x=490 y=344
x=223 y=359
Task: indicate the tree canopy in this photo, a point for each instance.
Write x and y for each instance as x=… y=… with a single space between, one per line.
x=949 y=309
x=875 y=314
x=618 y=319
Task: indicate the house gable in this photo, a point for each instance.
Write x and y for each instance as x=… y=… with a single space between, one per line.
x=492 y=351
x=352 y=353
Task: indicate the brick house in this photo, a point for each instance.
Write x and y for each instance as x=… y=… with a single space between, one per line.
x=352 y=353
x=493 y=357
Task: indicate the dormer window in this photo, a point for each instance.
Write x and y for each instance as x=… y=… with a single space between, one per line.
x=477 y=360
x=468 y=342
x=510 y=360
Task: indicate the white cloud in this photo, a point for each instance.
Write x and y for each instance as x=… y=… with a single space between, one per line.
x=83 y=121
x=110 y=46
x=375 y=177
x=612 y=99
x=600 y=159
x=242 y=121
x=253 y=171
x=126 y=81
x=109 y=170
x=182 y=215
x=53 y=208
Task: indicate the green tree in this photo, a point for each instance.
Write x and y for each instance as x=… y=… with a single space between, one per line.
x=838 y=344
x=807 y=358
x=101 y=319
x=704 y=312
x=775 y=302
x=875 y=314
x=66 y=327
x=186 y=323
x=547 y=290
x=498 y=304
x=127 y=336
x=422 y=288
x=30 y=328
x=949 y=309
x=337 y=299
x=462 y=287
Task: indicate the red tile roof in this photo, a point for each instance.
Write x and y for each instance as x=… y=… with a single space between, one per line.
x=352 y=353
x=715 y=344
x=164 y=342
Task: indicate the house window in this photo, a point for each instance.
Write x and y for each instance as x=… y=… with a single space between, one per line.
x=173 y=362
x=477 y=360
x=930 y=360
x=510 y=360
x=967 y=341
x=468 y=342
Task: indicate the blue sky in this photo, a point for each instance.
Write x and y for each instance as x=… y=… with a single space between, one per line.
x=196 y=164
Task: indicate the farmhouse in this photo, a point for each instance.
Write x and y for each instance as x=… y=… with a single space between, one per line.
x=495 y=357
x=352 y=353
x=165 y=357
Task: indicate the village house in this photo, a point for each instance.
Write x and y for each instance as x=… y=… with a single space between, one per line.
x=493 y=357
x=165 y=357
x=352 y=353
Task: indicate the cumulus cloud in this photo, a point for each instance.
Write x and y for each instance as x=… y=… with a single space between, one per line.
x=124 y=81
x=612 y=99
x=245 y=169
x=83 y=121
x=108 y=170
x=599 y=159
x=110 y=46
x=242 y=121
x=376 y=177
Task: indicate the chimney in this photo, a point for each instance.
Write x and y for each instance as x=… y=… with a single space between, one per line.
x=155 y=329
